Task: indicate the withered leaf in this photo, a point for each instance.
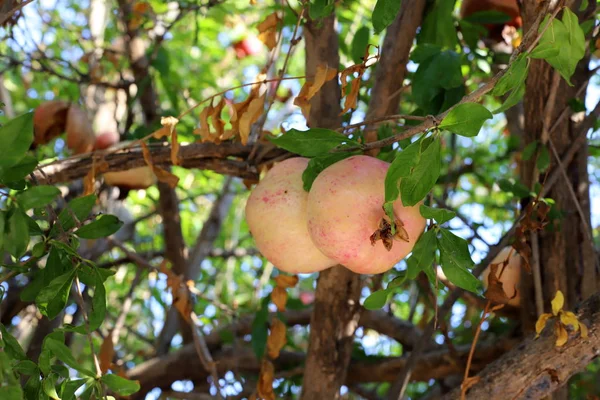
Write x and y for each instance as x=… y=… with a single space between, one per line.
x=277 y=338
x=302 y=100
x=204 y=130
x=286 y=281
x=279 y=298
x=268 y=30
x=562 y=336
x=568 y=318
x=107 y=352
x=175 y=159
x=540 y=324
x=161 y=174
x=252 y=114
x=323 y=75
x=351 y=100
x=215 y=117
x=265 y=380
x=495 y=291
x=557 y=302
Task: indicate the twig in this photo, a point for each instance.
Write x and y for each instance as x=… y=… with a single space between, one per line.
x=204 y=353
x=537 y=273
x=383 y=119
x=87 y=326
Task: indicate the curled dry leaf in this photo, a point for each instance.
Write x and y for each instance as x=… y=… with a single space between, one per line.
x=540 y=324
x=107 y=352
x=277 y=338
x=311 y=87
x=352 y=97
x=180 y=292
x=268 y=30
x=253 y=113
x=80 y=132
x=279 y=297
x=49 y=120
x=557 y=302
x=562 y=336
x=495 y=291
x=265 y=380
x=161 y=174
x=286 y=281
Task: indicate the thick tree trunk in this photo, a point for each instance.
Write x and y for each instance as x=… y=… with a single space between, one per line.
x=336 y=309
x=566 y=254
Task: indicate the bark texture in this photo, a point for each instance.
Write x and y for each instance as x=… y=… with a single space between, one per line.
x=336 y=310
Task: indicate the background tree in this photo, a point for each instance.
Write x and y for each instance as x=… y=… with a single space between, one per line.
x=133 y=132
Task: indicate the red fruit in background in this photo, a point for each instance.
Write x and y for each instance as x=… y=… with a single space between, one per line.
x=248 y=46
x=49 y=120
x=106 y=139
x=508 y=7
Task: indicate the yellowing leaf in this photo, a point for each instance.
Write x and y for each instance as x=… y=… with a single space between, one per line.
x=204 y=130
x=541 y=323
x=302 y=99
x=279 y=298
x=352 y=98
x=277 y=338
x=323 y=75
x=268 y=30
x=286 y=281
x=255 y=110
x=568 y=318
x=584 y=330
x=215 y=117
x=175 y=159
x=561 y=335
x=161 y=174
x=557 y=302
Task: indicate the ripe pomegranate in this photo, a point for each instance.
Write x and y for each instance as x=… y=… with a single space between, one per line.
x=511 y=277
x=345 y=209
x=49 y=120
x=276 y=216
x=248 y=46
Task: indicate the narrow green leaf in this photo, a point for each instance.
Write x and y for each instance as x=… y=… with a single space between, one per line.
x=80 y=207
x=17 y=238
x=37 y=196
x=49 y=387
x=121 y=386
x=543 y=160
x=440 y=215
x=11 y=345
x=529 y=150
x=311 y=143
x=53 y=298
x=63 y=353
x=98 y=311
x=456 y=261
x=11 y=392
x=260 y=329
x=320 y=8
x=466 y=119
x=384 y=13
x=104 y=226
x=16 y=137
x=360 y=41
x=18 y=171
x=401 y=167
x=424 y=175
x=26 y=367
x=423 y=253
x=70 y=387
x=513 y=77
x=376 y=300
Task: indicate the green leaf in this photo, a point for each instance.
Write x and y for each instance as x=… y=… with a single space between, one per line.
x=80 y=207
x=17 y=238
x=543 y=160
x=11 y=392
x=568 y=38
x=260 y=329
x=2 y=228
x=37 y=196
x=121 y=386
x=53 y=298
x=376 y=300
x=440 y=215
x=513 y=77
x=438 y=26
x=63 y=353
x=11 y=345
x=456 y=259
x=18 y=171
x=97 y=312
x=513 y=98
x=104 y=226
x=384 y=13
x=26 y=367
x=48 y=385
x=16 y=137
x=401 y=167
x=360 y=41
x=318 y=164
x=466 y=119
x=311 y=143
x=424 y=175
x=435 y=77
x=320 y=8
x=70 y=387
x=33 y=227
x=423 y=253
x=529 y=150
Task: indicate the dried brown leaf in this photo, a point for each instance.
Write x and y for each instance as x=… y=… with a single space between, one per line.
x=302 y=99
x=265 y=381
x=252 y=114
x=495 y=291
x=175 y=159
x=323 y=75
x=562 y=336
x=279 y=298
x=161 y=174
x=352 y=98
x=107 y=352
x=286 y=281
x=277 y=338
x=204 y=130
x=215 y=117
x=268 y=30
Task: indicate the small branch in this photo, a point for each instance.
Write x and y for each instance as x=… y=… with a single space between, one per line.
x=87 y=326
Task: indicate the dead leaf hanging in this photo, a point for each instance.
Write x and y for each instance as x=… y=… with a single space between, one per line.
x=161 y=174
x=252 y=114
x=268 y=30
